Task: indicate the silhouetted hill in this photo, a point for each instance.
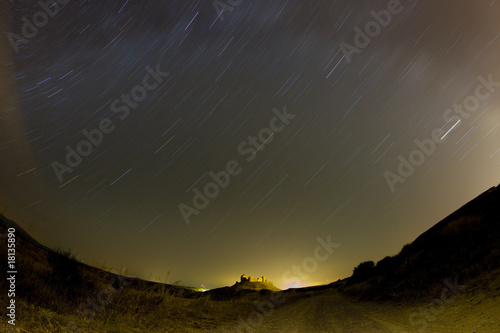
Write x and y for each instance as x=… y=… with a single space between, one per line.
x=240 y=289
x=54 y=292
x=5 y=224
x=464 y=245
x=255 y=286
x=56 y=280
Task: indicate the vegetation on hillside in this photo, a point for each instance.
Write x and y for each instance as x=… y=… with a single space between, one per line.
x=464 y=245
x=57 y=293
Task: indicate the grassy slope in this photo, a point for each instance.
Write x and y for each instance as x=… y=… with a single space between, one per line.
x=55 y=293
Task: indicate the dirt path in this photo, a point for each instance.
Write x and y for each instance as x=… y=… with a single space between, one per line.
x=329 y=312
x=332 y=312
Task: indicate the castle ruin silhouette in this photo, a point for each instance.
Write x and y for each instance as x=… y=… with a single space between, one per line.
x=245 y=278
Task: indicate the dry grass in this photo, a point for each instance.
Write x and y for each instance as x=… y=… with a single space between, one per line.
x=56 y=293
x=129 y=310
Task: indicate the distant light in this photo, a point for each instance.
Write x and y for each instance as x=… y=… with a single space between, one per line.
x=294 y=284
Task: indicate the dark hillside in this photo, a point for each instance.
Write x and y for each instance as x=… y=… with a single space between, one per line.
x=464 y=245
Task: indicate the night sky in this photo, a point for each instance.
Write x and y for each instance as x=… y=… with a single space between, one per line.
x=317 y=119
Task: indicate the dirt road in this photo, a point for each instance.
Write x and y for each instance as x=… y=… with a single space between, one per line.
x=332 y=312
x=328 y=312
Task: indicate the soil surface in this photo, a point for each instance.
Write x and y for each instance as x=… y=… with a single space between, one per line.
x=330 y=311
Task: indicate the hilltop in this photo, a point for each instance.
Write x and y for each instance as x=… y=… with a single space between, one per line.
x=255 y=286
x=246 y=286
x=249 y=282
